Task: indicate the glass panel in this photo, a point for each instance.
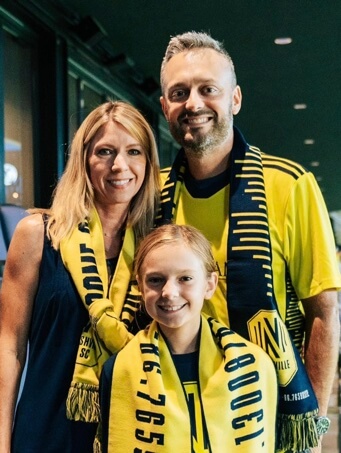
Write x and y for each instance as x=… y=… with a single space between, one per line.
x=18 y=123
x=82 y=99
x=73 y=105
x=91 y=99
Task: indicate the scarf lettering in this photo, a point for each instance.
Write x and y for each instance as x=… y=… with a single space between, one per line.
x=88 y=345
x=296 y=396
x=92 y=283
x=139 y=434
x=147 y=417
x=251 y=400
x=239 y=362
x=221 y=333
x=239 y=422
x=150 y=417
x=160 y=401
x=249 y=437
x=138 y=450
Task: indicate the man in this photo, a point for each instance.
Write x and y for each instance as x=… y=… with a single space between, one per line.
x=269 y=229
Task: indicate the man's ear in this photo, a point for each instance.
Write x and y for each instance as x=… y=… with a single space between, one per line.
x=236 y=100
x=164 y=106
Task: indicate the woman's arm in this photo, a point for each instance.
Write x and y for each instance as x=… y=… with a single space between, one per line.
x=18 y=290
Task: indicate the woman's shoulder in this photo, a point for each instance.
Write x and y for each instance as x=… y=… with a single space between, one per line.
x=29 y=233
x=32 y=224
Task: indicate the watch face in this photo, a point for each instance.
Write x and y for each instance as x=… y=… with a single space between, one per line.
x=322 y=425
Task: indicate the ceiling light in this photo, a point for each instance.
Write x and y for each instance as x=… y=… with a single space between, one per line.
x=309 y=141
x=315 y=163
x=283 y=41
x=300 y=106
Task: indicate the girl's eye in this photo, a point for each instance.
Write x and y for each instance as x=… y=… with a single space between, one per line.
x=186 y=278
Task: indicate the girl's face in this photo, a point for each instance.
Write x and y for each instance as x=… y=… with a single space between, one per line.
x=174 y=284
x=117 y=164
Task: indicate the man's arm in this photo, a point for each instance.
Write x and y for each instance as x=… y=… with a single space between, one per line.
x=322 y=344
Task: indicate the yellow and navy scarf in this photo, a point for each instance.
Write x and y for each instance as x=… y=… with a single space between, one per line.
x=148 y=407
x=252 y=305
x=110 y=311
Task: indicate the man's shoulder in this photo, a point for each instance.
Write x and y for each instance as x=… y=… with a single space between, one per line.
x=282 y=165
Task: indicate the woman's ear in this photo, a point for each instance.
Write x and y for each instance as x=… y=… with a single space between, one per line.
x=138 y=282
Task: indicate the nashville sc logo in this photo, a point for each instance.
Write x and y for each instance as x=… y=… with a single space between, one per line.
x=267 y=330
x=89 y=350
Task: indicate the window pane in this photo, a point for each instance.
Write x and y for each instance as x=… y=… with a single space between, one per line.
x=18 y=123
x=91 y=99
x=73 y=105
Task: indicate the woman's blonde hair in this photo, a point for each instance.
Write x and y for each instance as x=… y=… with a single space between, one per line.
x=179 y=234
x=73 y=197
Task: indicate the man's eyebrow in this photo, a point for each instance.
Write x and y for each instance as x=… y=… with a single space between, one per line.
x=199 y=82
x=177 y=85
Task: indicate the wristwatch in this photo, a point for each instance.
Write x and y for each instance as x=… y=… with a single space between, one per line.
x=322 y=425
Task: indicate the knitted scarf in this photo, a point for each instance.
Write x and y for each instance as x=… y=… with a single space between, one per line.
x=110 y=311
x=148 y=407
x=252 y=305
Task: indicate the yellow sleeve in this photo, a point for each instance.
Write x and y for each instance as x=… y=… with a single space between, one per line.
x=309 y=245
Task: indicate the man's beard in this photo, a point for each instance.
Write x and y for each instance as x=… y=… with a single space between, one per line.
x=201 y=143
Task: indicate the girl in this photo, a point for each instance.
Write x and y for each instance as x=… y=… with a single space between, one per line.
x=186 y=383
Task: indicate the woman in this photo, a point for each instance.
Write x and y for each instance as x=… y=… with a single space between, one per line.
x=66 y=285
x=186 y=383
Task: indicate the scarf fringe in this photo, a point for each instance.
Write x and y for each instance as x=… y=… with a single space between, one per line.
x=97 y=446
x=82 y=403
x=297 y=432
